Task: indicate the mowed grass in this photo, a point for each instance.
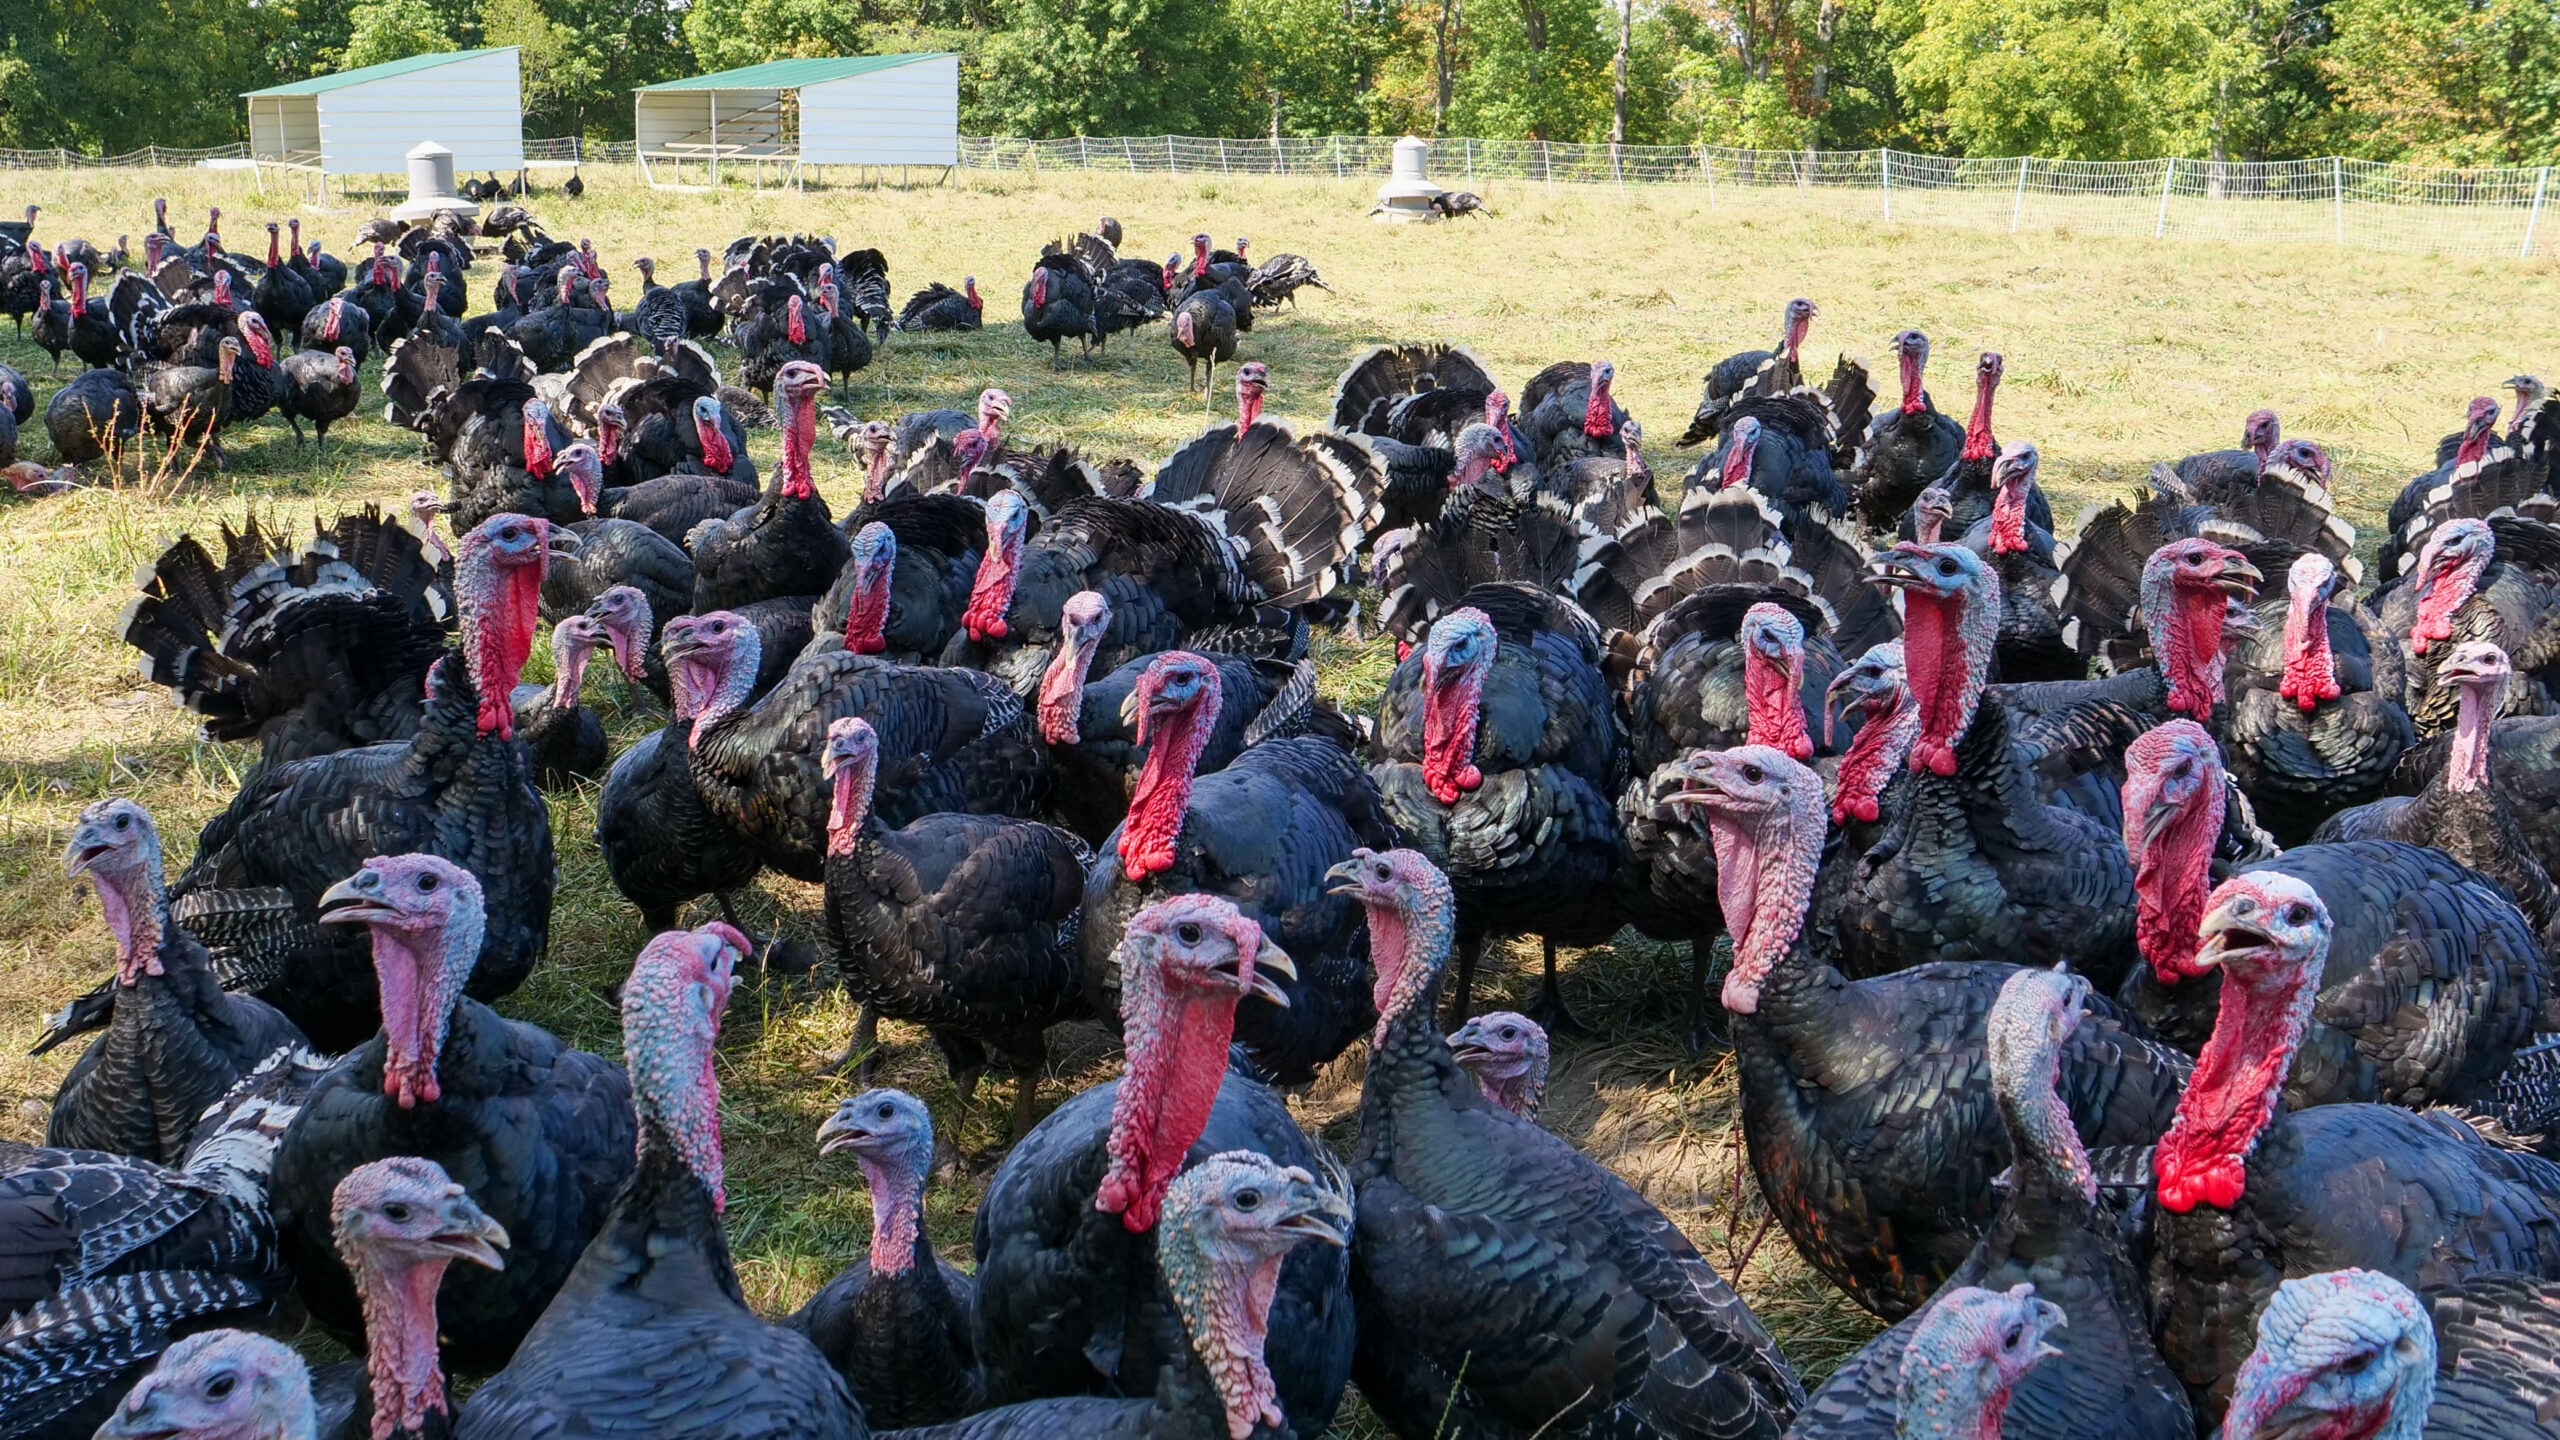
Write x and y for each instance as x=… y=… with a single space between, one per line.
x=2119 y=354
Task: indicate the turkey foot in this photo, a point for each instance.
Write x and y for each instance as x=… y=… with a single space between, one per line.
x=1550 y=1009
x=863 y=1055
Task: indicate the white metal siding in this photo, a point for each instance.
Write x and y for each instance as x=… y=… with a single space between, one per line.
x=909 y=115
x=475 y=108
x=661 y=118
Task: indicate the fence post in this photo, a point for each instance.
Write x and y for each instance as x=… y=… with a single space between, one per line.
x=1222 y=155
x=1618 y=168
x=2338 y=195
x=2168 y=177
x=1169 y=166
x=1884 y=163
x=1279 y=157
x=1084 y=152
x=1469 y=145
x=2019 y=205
x=1337 y=157
x=1547 y=166
x=2541 y=182
x=1707 y=162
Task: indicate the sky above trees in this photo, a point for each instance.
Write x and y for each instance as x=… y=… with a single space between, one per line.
x=2428 y=81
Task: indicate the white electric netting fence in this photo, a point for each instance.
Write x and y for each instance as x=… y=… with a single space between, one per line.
x=2335 y=202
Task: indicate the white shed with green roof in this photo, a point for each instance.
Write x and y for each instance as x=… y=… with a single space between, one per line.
x=366 y=121
x=827 y=110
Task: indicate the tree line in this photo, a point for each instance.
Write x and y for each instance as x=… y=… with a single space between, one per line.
x=2461 y=82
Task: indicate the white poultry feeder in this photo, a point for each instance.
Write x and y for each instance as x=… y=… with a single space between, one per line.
x=1408 y=193
x=431 y=185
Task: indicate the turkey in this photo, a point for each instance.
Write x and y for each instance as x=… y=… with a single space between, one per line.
x=1866 y=1104
x=2471 y=1360
x=1184 y=560
x=1092 y=727
x=662 y=845
x=896 y=1323
x=96 y=414
x=2434 y=978
x=1204 y=331
x=787 y=544
x=108 y=1259
x=911 y=576
x=1567 y=412
x=1260 y=833
x=1230 y=1225
x=963 y=924
x=1907 y=447
x=2251 y=1195
x=848 y=343
x=1507 y=1053
x=565 y=737
x=1738 y=374
x=2104 y=566
x=1499 y=759
x=191 y=403
x=1057 y=305
x=1208 y=274
x=2477 y=475
x=1968 y=483
x=460 y=787
x=652 y=1334
x=614 y=552
x=2316 y=723
x=1412 y=392
x=319 y=386
x=661 y=315
x=306 y=652
x=176 y=1041
x=952 y=739
x=1974 y=864
x=498 y=445
x=1475 y=537
x=939 y=307
x=2494 y=580
x=1068 y=1235
x=2031 y=646
x=1281 y=278
x=540 y=1133
x=2459 y=811
x=553 y=335
x=2220 y=472
x=1481 y=1235
x=2101 y=1378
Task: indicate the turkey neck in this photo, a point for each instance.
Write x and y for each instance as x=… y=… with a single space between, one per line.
x=2310 y=668
x=897 y=1213
x=1765 y=869
x=866 y=611
x=2173 y=877
x=1873 y=756
x=398 y=1297
x=1913 y=400
x=421 y=974
x=849 y=809
x=2186 y=637
x=2449 y=587
x=1772 y=697
x=799 y=434
x=1162 y=796
x=1413 y=1080
x=569 y=658
x=716 y=456
x=1946 y=648
x=1452 y=708
x=712 y=690
x=2054 y=1188
x=2466 y=769
x=135 y=904
x=2231 y=1101
x=1177 y=1060
x=1599 y=416
x=1224 y=1298
x=501 y=609
x=1062 y=685
x=1978 y=444
x=2009 y=511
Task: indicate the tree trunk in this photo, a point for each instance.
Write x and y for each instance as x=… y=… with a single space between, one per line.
x=1618 y=86
x=1444 y=64
x=2217 y=176
x=1826 y=23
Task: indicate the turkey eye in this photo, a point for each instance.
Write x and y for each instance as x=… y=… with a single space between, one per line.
x=1384 y=873
x=1752 y=773
x=2358 y=1364
x=1248 y=1199
x=1946 y=567
x=426 y=883
x=885 y=1110
x=221 y=1386
x=2298 y=915
x=1188 y=934
x=1510 y=1034
x=396 y=1213
x=2009 y=1338
x=124 y=822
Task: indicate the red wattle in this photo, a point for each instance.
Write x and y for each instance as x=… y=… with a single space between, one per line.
x=1452 y=707
x=2446 y=593
x=1933 y=661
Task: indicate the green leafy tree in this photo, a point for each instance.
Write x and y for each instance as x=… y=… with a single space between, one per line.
x=1537 y=69
x=726 y=34
x=116 y=75
x=1316 y=61
x=2082 y=79
x=384 y=30
x=1118 y=67
x=2453 y=82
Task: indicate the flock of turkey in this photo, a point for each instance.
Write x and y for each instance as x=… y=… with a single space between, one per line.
x=2141 y=968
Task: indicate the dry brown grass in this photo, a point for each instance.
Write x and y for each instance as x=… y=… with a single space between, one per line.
x=2120 y=353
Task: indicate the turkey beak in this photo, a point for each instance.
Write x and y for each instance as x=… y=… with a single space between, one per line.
x=1272 y=960
x=2156 y=820
x=1698 y=786
x=2239 y=577
x=1344 y=879
x=84 y=855
x=840 y=1132
x=1129 y=708
x=1323 y=1217
x=2223 y=933
x=1896 y=569
x=353 y=901
x=478 y=1244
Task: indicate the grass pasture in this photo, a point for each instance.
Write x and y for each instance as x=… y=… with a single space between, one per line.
x=2119 y=353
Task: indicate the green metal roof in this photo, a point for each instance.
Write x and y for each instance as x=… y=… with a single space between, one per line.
x=319 y=84
x=792 y=74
